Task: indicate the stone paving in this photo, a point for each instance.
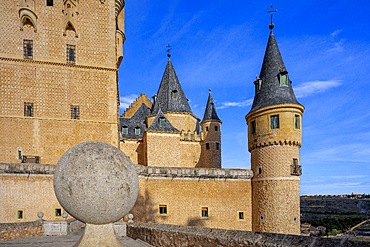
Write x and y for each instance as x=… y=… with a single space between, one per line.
x=63 y=241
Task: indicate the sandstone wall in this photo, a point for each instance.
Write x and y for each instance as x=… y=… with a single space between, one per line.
x=12 y=231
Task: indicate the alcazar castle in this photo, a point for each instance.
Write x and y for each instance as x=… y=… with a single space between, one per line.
x=59 y=87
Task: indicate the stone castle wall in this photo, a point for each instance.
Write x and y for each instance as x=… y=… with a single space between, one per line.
x=52 y=84
x=13 y=231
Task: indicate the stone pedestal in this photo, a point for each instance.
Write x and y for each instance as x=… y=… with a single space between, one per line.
x=99 y=236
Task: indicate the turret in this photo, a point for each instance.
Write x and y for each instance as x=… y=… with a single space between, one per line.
x=274 y=140
x=210 y=156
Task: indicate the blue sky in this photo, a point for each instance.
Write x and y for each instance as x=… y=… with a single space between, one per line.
x=220 y=45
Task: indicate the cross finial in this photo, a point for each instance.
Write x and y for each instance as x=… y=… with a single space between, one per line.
x=271 y=11
x=168 y=50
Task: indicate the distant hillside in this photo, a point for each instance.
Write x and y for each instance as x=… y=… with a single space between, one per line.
x=335 y=213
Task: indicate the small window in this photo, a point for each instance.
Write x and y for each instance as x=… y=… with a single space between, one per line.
x=71 y=54
x=28 y=109
x=241 y=215
x=217 y=146
x=259 y=170
x=75 y=112
x=207 y=129
x=297 y=122
x=137 y=131
x=207 y=146
x=163 y=209
x=216 y=128
x=20 y=215
x=296 y=169
x=257 y=84
x=204 y=212
x=174 y=94
x=19 y=154
x=253 y=127
x=274 y=121
x=27 y=49
x=283 y=78
x=124 y=130
x=49 y=2
x=162 y=122
x=58 y=212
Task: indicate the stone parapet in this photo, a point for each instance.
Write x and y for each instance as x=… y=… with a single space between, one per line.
x=26 y=168
x=198 y=173
x=172 y=235
x=10 y=231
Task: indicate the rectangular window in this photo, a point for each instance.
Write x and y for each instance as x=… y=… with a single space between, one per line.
x=253 y=127
x=58 y=212
x=49 y=3
x=162 y=122
x=137 y=131
x=297 y=122
x=124 y=130
x=207 y=146
x=204 y=212
x=216 y=128
x=274 y=122
x=207 y=129
x=28 y=109
x=19 y=154
x=283 y=78
x=217 y=146
x=75 y=112
x=241 y=215
x=20 y=215
x=163 y=209
x=27 y=49
x=71 y=54
x=296 y=169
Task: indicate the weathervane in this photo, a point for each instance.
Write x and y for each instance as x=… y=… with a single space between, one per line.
x=271 y=11
x=168 y=50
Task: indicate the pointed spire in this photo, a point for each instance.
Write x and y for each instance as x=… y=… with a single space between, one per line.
x=210 y=112
x=273 y=85
x=170 y=96
x=161 y=123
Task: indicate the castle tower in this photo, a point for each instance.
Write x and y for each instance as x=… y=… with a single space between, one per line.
x=210 y=156
x=274 y=140
x=59 y=65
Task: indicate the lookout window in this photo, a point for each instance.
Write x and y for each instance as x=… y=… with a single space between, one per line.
x=137 y=131
x=124 y=130
x=274 y=122
x=49 y=2
x=163 y=209
x=253 y=127
x=20 y=215
x=283 y=78
x=162 y=122
x=75 y=112
x=28 y=109
x=204 y=212
x=71 y=54
x=297 y=122
x=27 y=49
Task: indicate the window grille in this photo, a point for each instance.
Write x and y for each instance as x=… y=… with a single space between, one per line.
x=28 y=49
x=71 y=54
x=75 y=112
x=28 y=109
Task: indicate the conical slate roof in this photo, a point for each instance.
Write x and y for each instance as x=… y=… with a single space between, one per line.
x=170 y=96
x=210 y=112
x=271 y=91
x=161 y=123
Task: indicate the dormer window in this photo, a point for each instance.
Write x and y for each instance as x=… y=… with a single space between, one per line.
x=283 y=78
x=174 y=94
x=257 y=84
x=137 y=131
x=124 y=130
x=162 y=122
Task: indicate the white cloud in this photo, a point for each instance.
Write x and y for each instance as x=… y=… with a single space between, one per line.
x=313 y=87
x=335 y=33
x=125 y=101
x=228 y=104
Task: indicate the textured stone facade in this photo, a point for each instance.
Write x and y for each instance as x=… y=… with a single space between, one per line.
x=276 y=167
x=12 y=231
x=64 y=58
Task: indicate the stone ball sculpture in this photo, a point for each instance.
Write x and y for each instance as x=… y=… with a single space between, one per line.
x=96 y=183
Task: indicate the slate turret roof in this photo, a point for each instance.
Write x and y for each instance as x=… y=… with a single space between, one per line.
x=136 y=121
x=161 y=123
x=210 y=112
x=170 y=96
x=271 y=91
